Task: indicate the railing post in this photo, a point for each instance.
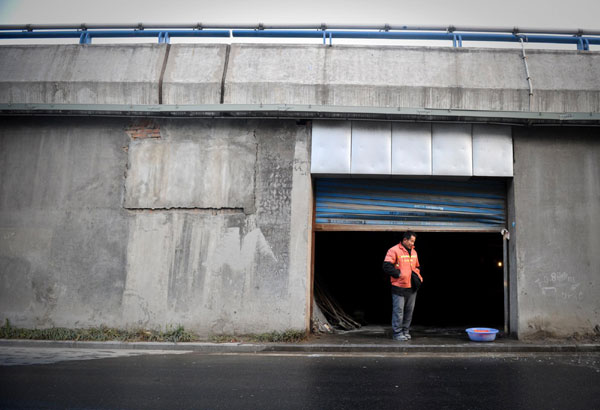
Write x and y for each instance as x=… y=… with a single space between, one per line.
x=163 y=37
x=85 y=38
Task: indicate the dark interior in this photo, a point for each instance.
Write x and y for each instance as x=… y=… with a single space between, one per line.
x=462 y=277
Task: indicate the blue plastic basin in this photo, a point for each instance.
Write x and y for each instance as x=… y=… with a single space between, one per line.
x=482 y=334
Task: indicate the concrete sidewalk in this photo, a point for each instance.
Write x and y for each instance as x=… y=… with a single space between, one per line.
x=371 y=339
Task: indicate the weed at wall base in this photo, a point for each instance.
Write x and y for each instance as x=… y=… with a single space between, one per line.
x=175 y=334
x=288 y=336
x=98 y=334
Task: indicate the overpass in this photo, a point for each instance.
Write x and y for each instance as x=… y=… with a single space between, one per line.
x=153 y=185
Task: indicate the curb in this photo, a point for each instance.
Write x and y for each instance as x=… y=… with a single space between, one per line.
x=462 y=348
x=189 y=346
x=472 y=347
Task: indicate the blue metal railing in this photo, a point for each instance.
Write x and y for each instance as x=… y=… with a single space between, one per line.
x=583 y=43
x=86 y=35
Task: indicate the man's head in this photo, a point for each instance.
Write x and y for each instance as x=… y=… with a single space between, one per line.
x=408 y=239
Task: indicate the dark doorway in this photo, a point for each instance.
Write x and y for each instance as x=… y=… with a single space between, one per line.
x=463 y=276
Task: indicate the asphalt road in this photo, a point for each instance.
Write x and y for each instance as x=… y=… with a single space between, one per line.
x=200 y=381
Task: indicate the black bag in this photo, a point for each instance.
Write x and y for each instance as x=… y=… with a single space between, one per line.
x=415 y=282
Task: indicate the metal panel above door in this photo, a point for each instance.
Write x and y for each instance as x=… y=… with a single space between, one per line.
x=331 y=147
x=420 y=204
x=371 y=148
x=492 y=150
x=452 y=149
x=411 y=149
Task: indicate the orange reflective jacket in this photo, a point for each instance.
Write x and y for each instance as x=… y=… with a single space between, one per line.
x=405 y=262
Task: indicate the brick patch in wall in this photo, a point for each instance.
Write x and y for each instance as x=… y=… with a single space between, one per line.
x=142 y=129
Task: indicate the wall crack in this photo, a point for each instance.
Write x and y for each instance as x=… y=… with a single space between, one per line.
x=208 y=211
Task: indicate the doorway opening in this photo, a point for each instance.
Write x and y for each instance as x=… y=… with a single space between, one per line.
x=462 y=272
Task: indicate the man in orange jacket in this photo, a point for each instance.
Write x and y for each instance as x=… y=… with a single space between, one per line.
x=400 y=263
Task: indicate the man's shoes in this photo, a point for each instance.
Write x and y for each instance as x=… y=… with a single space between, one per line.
x=400 y=337
x=407 y=335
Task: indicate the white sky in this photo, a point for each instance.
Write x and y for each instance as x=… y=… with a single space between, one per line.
x=504 y=13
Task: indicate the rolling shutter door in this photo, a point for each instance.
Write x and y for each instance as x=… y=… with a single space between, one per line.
x=375 y=204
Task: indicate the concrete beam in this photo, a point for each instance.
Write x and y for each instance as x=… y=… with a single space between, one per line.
x=340 y=76
x=377 y=76
x=194 y=73
x=565 y=81
x=83 y=74
x=437 y=78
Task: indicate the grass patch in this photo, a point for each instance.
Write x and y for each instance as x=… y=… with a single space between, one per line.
x=176 y=334
x=98 y=334
x=288 y=336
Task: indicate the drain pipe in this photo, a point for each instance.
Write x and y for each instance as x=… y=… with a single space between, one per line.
x=528 y=76
x=505 y=239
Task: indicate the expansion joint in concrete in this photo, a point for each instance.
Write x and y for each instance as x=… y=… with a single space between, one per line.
x=162 y=74
x=225 y=65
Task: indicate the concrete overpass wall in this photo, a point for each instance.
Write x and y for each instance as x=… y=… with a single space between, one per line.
x=206 y=223
x=556 y=235
x=63 y=234
x=201 y=225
